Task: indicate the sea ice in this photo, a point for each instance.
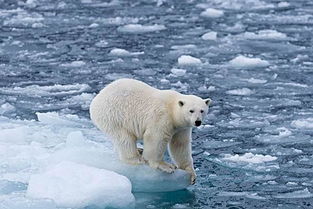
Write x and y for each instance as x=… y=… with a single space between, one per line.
x=77 y=63
x=137 y=28
x=39 y=91
x=305 y=193
x=249 y=158
x=123 y=52
x=75 y=185
x=240 y=92
x=209 y=36
x=247 y=62
x=188 y=60
x=303 y=123
x=178 y=72
x=266 y=35
x=212 y=13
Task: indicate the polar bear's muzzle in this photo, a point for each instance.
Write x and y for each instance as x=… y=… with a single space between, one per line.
x=198 y=122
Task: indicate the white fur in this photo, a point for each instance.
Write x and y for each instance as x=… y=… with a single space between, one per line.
x=128 y=110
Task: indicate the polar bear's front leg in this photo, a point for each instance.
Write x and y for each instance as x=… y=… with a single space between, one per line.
x=180 y=151
x=153 y=152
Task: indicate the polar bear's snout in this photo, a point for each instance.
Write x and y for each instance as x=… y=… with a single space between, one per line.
x=198 y=122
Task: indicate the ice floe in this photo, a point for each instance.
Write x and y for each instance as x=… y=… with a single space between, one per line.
x=188 y=60
x=137 y=28
x=240 y=92
x=212 y=13
x=212 y=36
x=75 y=185
x=247 y=62
x=249 y=158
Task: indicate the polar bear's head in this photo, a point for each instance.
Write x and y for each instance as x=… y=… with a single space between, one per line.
x=192 y=110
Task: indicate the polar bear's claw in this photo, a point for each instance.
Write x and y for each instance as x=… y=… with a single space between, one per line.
x=140 y=151
x=163 y=166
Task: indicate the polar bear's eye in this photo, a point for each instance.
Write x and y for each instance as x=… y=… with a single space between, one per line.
x=192 y=111
x=201 y=111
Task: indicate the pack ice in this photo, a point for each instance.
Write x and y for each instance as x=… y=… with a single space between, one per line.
x=63 y=161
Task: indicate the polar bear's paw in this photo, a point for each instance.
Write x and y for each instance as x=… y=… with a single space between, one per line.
x=163 y=166
x=135 y=161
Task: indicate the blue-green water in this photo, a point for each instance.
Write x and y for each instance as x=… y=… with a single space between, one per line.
x=262 y=106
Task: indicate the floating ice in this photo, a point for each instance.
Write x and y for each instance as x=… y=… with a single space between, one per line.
x=39 y=91
x=246 y=62
x=266 y=35
x=123 y=52
x=137 y=28
x=238 y=4
x=249 y=158
x=6 y=108
x=303 y=123
x=178 y=72
x=209 y=36
x=248 y=161
x=101 y=44
x=29 y=147
x=75 y=185
x=212 y=13
x=283 y=4
x=142 y=177
x=305 y=193
x=250 y=195
x=19 y=201
x=240 y=92
x=23 y=18
x=77 y=63
x=188 y=60
x=255 y=80
x=184 y=47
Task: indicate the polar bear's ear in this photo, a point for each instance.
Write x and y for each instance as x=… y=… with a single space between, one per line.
x=207 y=101
x=181 y=103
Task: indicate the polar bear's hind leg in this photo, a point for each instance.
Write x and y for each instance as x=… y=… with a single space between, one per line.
x=125 y=144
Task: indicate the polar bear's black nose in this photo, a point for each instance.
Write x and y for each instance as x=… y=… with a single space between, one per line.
x=198 y=122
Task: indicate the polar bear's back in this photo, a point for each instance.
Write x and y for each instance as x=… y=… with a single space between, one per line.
x=125 y=104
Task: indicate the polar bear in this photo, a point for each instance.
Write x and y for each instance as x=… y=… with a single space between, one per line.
x=128 y=110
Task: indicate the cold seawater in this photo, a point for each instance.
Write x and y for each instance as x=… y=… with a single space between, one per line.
x=252 y=57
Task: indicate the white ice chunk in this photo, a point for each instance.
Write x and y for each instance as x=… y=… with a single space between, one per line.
x=266 y=35
x=75 y=185
x=240 y=92
x=249 y=195
x=6 y=108
x=212 y=13
x=188 y=60
x=101 y=43
x=247 y=62
x=142 y=177
x=19 y=201
x=249 y=158
x=123 y=52
x=305 y=193
x=178 y=72
x=283 y=4
x=255 y=80
x=54 y=90
x=137 y=28
x=303 y=123
x=77 y=63
x=209 y=36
